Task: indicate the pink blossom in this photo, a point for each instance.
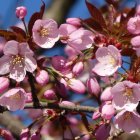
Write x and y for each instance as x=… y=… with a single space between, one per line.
x=93 y=86
x=77 y=86
x=127 y=120
x=124 y=93
x=106 y=94
x=78 y=39
x=4 y=84
x=74 y=21
x=17 y=59
x=45 y=33
x=107 y=111
x=109 y=60
x=13 y=99
x=133 y=25
x=42 y=77
x=21 y=12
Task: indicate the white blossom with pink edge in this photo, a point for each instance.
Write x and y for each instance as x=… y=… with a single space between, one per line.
x=17 y=59
x=14 y=99
x=109 y=60
x=45 y=33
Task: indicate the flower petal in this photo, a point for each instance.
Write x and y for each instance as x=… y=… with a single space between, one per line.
x=11 y=48
x=30 y=63
x=24 y=48
x=4 y=65
x=18 y=72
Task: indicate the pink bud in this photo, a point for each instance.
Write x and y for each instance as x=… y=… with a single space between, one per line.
x=135 y=41
x=24 y=134
x=74 y=21
x=6 y=134
x=68 y=103
x=102 y=133
x=107 y=111
x=96 y=115
x=106 y=94
x=42 y=77
x=50 y=94
x=78 y=68
x=4 y=84
x=28 y=97
x=21 y=12
x=59 y=63
x=77 y=86
x=93 y=86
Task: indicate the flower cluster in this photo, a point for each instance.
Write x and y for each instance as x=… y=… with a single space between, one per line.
x=93 y=67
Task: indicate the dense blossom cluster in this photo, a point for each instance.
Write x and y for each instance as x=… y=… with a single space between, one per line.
x=93 y=65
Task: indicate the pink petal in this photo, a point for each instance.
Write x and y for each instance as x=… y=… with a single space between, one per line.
x=13 y=99
x=4 y=65
x=66 y=29
x=104 y=69
x=18 y=73
x=24 y=48
x=30 y=63
x=11 y=48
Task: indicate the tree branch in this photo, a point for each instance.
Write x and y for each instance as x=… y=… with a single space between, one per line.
x=78 y=108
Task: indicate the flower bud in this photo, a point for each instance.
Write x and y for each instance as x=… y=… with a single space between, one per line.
x=24 y=134
x=135 y=41
x=93 y=86
x=106 y=94
x=50 y=94
x=4 y=84
x=96 y=115
x=68 y=103
x=77 y=86
x=102 y=133
x=42 y=77
x=74 y=21
x=21 y=12
x=59 y=63
x=78 y=68
x=107 y=111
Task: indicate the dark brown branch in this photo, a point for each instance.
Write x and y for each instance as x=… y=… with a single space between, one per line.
x=36 y=103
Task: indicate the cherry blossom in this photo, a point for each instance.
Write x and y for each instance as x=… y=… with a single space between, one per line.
x=127 y=120
x=17 y=59
x=124 y=93
x=13 y=99
x=45 y=33
x=109 y=60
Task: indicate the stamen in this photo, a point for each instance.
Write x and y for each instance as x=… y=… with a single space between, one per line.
x=44 y=32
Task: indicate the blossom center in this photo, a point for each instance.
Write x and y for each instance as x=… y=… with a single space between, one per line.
x=127 y=116
x=128 y=92
x=112 y=60
x=43 y=32
x=15 y=96
x=17 y=59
